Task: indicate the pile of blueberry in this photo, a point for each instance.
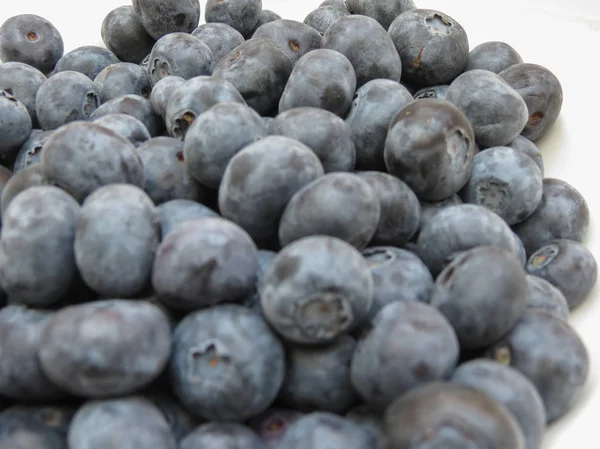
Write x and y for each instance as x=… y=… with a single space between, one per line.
x=264 y=233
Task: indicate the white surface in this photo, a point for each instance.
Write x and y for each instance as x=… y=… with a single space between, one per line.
x=561 y=35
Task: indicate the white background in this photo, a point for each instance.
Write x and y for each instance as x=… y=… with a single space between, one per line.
x=561 y=35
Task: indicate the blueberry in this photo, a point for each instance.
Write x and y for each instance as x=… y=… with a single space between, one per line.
x=293 y=37
x=179 y=419
x=259 y=69
x=318 y=378
x=364 y=416
x=25 y=432
x=242 y=15
x=322 y=131
x=438 y=92
x=384 y=11
x=542 y=92
x=15 y=124
x=43 y=244
x=266 y=259
x=562 y=214
x=225 y=435
x=323 y=430
x=21 y=376
x=512 y=390
x=433 y=47
x=31 y=39
x=30 y=152
x=374 y=106
x=323 y=16
x=339 y=3
x=543 y=295
x=482 y=292
x=216 y=136
x=429 y=209
x=24 y=179
x=125 y=126
x=194 y=97
x=367 y=46
x=22 y=82
x=127 y=422
x=121 y=346
x=229 y=372
x=433 y=156
x=318 y=289
x=88 y=59
x=340 y=205
x=174 y=213
x=261 y=179
x=162 y=17
x=409 y=344
x=265 y=16
x=179 y=54
x=322 y=79
x=65 y=97
x=54 y=416
x=134 y=105
x=443 y=414
x=120 y=79
x=505 y=181
x=398 y=275
x=81 y=157
x=400 y=209
x=493 y=56
x=5 y=177
x=549 y=352
x=162 y=91
x=272 y=424
x=166 y=173
x=124 y=34
x=519 y=250
x=496 y=111
x=526 y=146
x=567 y=265
x=204 y=262
x=219 y=37
x=459 y=228
x=118 y=226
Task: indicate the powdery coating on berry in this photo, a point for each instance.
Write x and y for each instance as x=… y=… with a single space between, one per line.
x=173 y=213
x=24 y=179
x=218 y=135
x=124 y=34
x=162 y=17
x=326 y=134
x=88 y=59
x=384 y=11
x=321 y=79
x=442 y=414
x=409 y=344
x=131 y=421
x=135 y=105
x=495 y=110
x=429 y=209
x=293 y=37
x=430 y=145
x=567 y=265
x=181 y=421
x=15 y=124
x=266 y=16
x=367 y=46
x=241 y=15
x=550 y=353
x=121 y=347
x=339 y=205
x=38 y=230
x=261 y=179
x=259 y=70
x=482 y=292
x=459 y=228
x=31 y=151
x=322 y=17
x=562 y=213
x=120 y=79
x=433 y=46
x=125 y=126
x=229 y=372
x=526 y=146
x=317 y=289
x=20 y=431
x=194 y=97
x=117 y=236
x=162 y=91
x=23 y=82
x=214 y=434
x=220 y=38
x=493 y=56
x=204 y=262
x=543 y=295
x=322 y=430
x=370 y=420
x=21 y=376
